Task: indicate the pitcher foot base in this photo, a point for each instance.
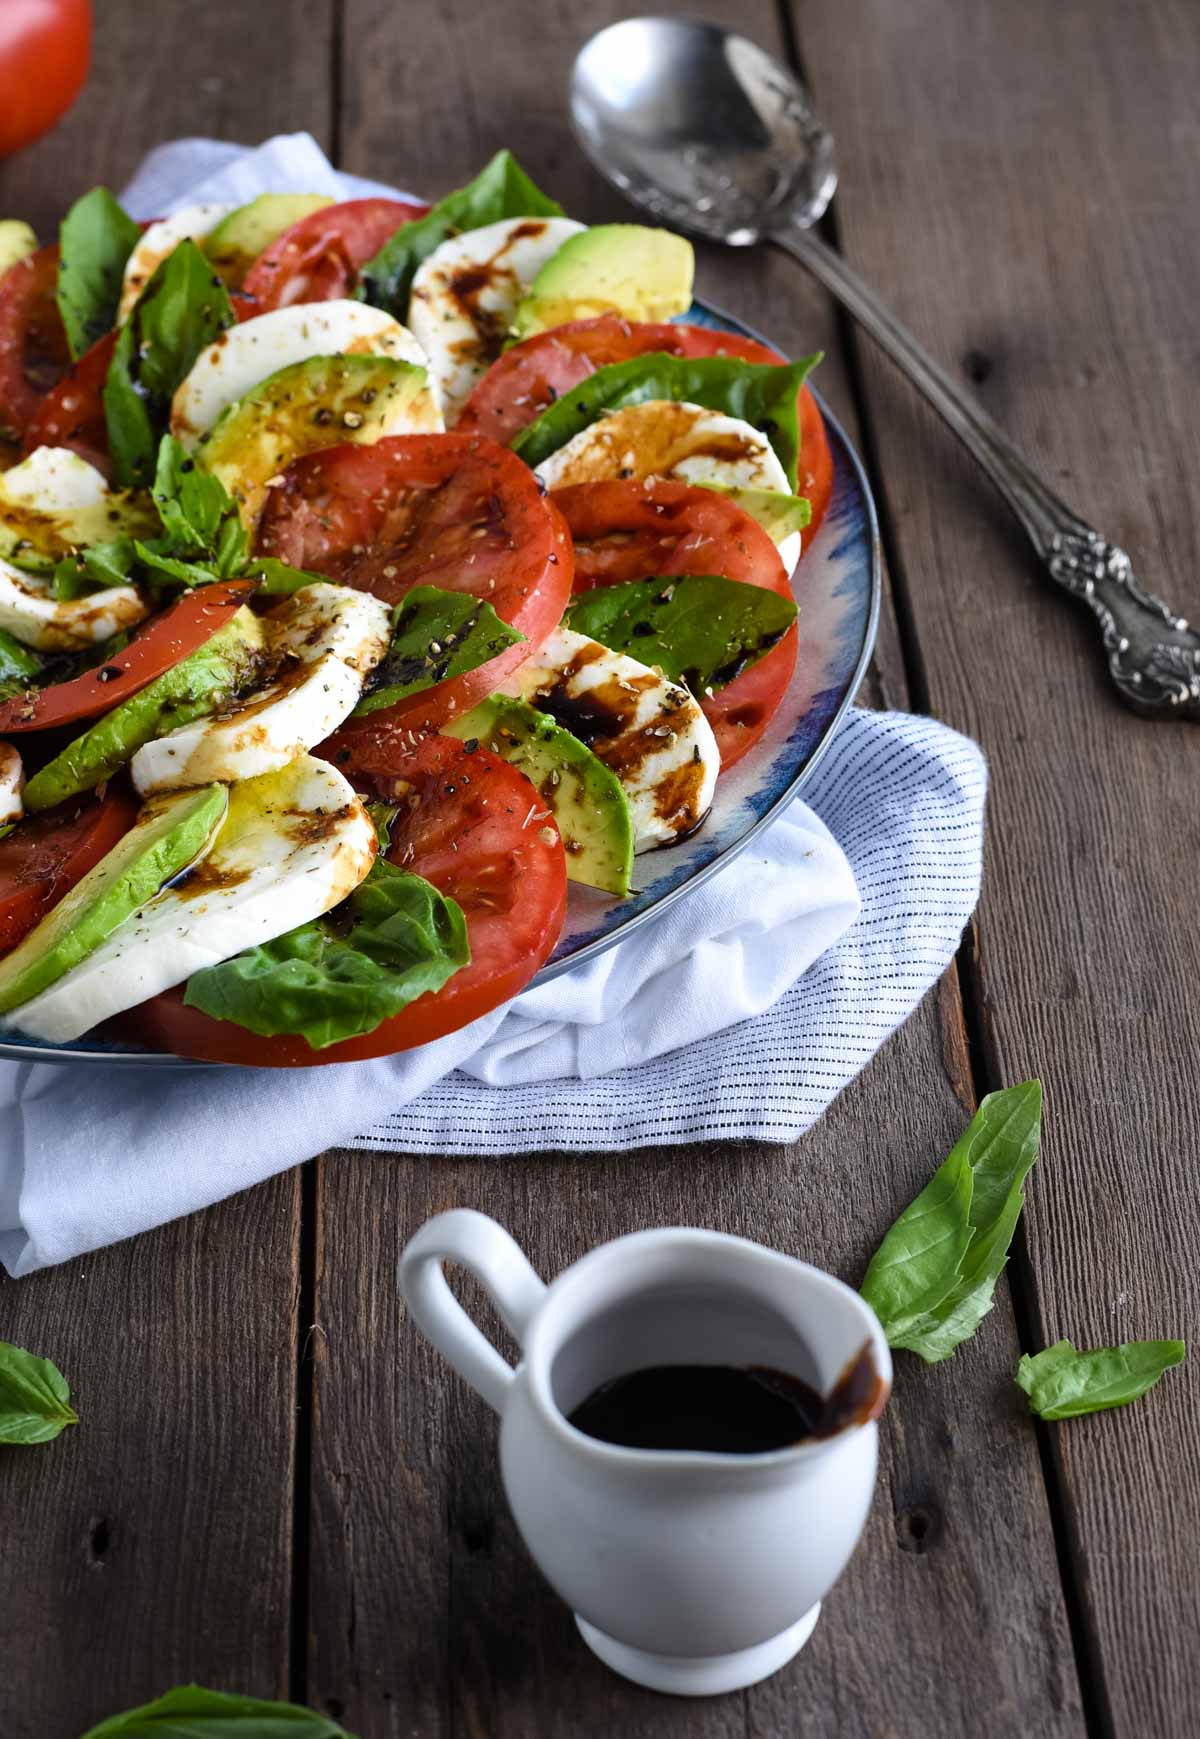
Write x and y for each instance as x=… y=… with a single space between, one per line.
x=702 y=1675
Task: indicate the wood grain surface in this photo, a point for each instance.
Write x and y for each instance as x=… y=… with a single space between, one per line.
x=276 y=1486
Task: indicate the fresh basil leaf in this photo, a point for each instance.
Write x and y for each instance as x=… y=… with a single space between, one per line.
x=34 y=1398
x=17 y=662
x=1062 y=1383
x=760 y=393
x=201 y=1714
x=699 y=629
x=383 y=815
x=95 y=240
x=778 y=514
x=277 y=578
x=8 y=825
x=181 y=310
x=435 y=635
x=339 y=976
x=199 y=516
x=930 y=1296
x=95 y=569
x=501 y=190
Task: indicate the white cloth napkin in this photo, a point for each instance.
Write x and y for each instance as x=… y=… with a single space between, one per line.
x=830 y=946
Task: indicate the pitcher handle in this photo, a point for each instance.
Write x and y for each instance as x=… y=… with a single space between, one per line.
x=501 y=1267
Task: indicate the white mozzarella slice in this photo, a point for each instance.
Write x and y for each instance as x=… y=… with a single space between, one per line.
x=54 y=481
x=12 y=783
x=465 y=294
x=648 y=730
x=190 y=223
x=322 y=644
x=247 y=353
x=294 y=843
x=32 y=615
x=685 y=442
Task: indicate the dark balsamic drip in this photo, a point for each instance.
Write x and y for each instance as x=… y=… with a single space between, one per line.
x=727 y=1409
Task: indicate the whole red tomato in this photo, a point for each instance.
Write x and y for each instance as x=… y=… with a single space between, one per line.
x=44 y=50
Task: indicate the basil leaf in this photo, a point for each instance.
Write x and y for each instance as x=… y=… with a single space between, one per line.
x=181 y=310
x=198 y=514
x=700 y=629
x=383 y=815
x=778 y=514
x=1062 y=1383
x=95 y=240
x=997 y=1148
x=200 y=1714
x=277 y=578
x=95 y=569
x=435 y=635
x=33 y=1398
x=339 y=976
x=761 y=393
x=501 y=190
x=920 y=1259
x=17 y=662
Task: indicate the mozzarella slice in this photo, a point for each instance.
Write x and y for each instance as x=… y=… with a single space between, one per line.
x=647 y=730
x=54 y=481
x=294 y=843
x=31 y=614
x=465 y=294
x=190 y=223
x=249 y=352
x=12 y=783
x=662 y=438
x=322 y=644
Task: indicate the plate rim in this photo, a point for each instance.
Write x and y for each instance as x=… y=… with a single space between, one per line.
x=35 y=1053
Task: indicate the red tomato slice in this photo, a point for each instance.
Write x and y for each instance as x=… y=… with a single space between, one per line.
x=318 y=259
x=452 y=511
x=162 y=642
x=33 y=343
x=72 y=412
x=44 y=51
x=45 y=855
x=473 y=826
x=520 y=385
x=631 y=531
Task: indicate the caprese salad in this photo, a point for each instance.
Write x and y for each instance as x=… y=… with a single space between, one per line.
x=368 y=572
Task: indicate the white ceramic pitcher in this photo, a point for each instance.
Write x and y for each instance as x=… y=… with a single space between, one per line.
x=688 y=1572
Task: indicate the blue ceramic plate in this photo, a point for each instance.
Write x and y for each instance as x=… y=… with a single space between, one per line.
x=838 y=589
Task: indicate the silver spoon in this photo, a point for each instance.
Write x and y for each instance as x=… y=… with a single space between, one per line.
x=710 y=134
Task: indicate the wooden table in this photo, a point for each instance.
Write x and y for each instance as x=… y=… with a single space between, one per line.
x=275 y=1486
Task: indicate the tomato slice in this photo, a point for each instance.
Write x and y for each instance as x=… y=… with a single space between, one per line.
x=45 y=855
x=472 y=825
x=453 y=511
x=319 y=258
x=631 y=531
x=160 y=643
x=520 y=385
x=33 y=343
x=72 y=413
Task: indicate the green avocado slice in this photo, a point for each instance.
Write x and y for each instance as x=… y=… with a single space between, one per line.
x=238 y=239
x=170 y=832
x=320 y=402
x=611 y=268
x=198 y=685
x=585 y=798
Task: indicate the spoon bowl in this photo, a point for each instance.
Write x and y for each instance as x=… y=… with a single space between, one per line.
x=702 y=128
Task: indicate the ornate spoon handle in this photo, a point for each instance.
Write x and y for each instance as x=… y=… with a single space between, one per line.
x=1153 y=656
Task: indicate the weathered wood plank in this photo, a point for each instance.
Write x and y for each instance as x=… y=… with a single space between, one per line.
x=426 y=1616
x=153 y=1543
x=1019 y=193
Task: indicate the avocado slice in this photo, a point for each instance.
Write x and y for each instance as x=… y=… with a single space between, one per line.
x=780 y=515
x=238 y=239
x=612 y=268
x=17 y=242
x=200 y=684
x=586 y=799
x=320 y=402
x=170 y=833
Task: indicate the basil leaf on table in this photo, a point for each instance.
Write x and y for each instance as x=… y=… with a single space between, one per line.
x=95 y=240
x=34 y=1398
x=435 y=635
x=1062 y=1383
x=181 y=310
x=500 y=190
x=700 y=629
x=201 y=1714
x=339 y=976
x=931 y=1282
x=760 y=393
